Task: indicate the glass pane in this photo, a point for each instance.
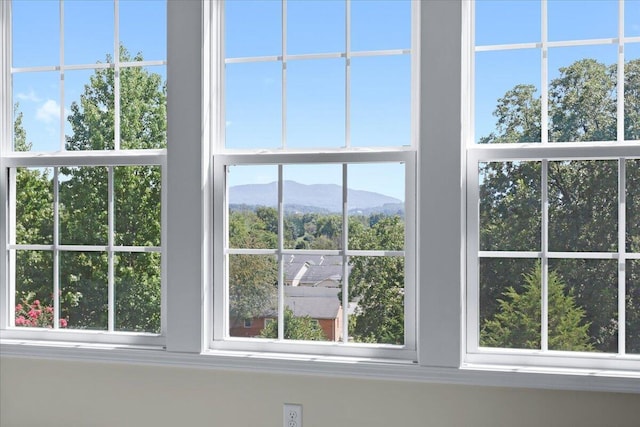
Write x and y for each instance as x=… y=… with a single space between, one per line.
x=315 y=26
x=253 y=295
x=585 y=19
x=510 y=206
x=381 y=101
x=376 y=206
x=143 y=107
x=633 y=307
x=582 y=93
x=34 y=48
x=633 y=205
x=83 y=281
x=253 y=28
x=89 y=105
x=83 y=206
x=507 y=22
x=34 y=206
x=376 y=300
x=83 y=18
x=137 y=197
x=632 y=90
x=151 y=43
x=36 y=111
x=314 y=313
x=583 y=206
x=380 y=25
x=507 y=99
x=137 y=291
x=510 y=303
x=583 y=305
x=34 y=289
x=313 y=206
x=253 y=101
x=632 y=18
x=316 y=103
x=253 y=202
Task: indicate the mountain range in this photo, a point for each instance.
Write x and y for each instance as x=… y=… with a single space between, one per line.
x=313 y=198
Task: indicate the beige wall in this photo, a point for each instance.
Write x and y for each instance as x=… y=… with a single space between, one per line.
x=55 y=393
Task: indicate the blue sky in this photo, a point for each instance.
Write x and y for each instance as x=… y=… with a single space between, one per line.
x=380 y=86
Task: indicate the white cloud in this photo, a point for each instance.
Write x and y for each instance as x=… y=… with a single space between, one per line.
x=48 y=112
x=31 y=96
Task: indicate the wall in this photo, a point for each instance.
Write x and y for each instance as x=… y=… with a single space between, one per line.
x=56 y=393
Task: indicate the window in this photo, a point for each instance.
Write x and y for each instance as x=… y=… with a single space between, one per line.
x=85 y=167
x=553 y=252
x=317 y=157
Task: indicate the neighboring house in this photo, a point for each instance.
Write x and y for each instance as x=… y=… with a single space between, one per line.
x=312 y=286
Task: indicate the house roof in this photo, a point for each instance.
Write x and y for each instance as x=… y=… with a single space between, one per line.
x=313 y=270
x=317 y=303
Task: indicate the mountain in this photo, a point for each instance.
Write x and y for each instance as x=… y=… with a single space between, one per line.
x=302 y=197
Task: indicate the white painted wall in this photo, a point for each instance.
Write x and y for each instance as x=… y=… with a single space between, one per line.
x=56 y=393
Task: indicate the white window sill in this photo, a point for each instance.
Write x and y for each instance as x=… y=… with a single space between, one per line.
x=476 y=374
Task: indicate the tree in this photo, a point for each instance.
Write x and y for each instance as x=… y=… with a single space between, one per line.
x=517 y=322
x=295 y=328
x=582 y=211
x=377 y=283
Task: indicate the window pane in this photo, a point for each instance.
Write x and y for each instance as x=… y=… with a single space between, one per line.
x=510 y=206
x=143 y=107
x=253 y=294
x=632 y=90
x=83 y=206
x=315 y=26
x=314 y=313
x=89 y=105
x=316 y=103
x=83 y=281
x=36 y=116
x=313 y=206
x=633 y=205
x=583 y=206
x=507 y=98
x=507 y=22
x=82 y=18
x=137 y=196
x=253 y=202
x=380 y=25
x=376 y=295
x=632 y=18
x=376 y=206
x=253 y=28
x=34 y=289
x=34 y=48
x=510 y=303
x=137 y=292
x=34 y=206
x=585 y=19
x=253 y=101
x=633 y=307
x=381 y=101
x=152 y=42
x=582 y=93
x=583 y=307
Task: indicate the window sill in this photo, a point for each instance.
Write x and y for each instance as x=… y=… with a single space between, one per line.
x=362 y=368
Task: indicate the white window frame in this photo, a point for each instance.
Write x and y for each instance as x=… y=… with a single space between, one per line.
x=544 y=152
x=10 y=160
x=223 y=158
x=443 y=114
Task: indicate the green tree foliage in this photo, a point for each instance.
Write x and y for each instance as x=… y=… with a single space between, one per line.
x=516 y=324
x=377 y=283
x=295 y=328
x=582 y=202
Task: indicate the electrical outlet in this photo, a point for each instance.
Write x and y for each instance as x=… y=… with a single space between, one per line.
x=292 y=415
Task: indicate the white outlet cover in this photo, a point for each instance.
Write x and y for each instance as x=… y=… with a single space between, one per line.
x=292 y=415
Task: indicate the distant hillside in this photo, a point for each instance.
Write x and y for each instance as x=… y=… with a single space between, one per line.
x=312 y=198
